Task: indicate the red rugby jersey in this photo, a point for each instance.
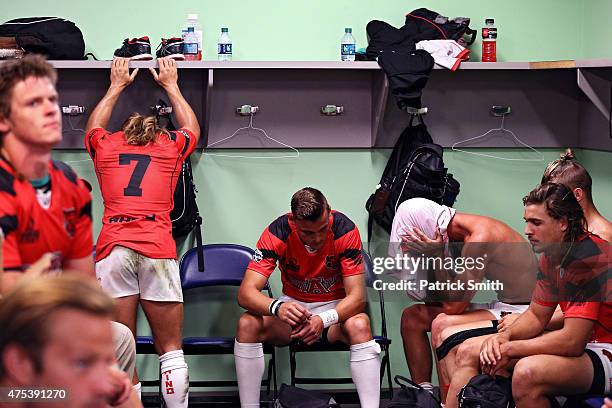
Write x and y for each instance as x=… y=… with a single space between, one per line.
x=137 y=185
x=310 y=277
x=580 y=286
x=30 y=230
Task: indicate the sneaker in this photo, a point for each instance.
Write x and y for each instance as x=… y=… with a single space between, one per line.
x=135 y=49
x=171 y=48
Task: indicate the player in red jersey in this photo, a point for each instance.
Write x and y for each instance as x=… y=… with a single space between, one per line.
x=137 y=169
x=574 y=268
x=45 y=209
x=319 y=256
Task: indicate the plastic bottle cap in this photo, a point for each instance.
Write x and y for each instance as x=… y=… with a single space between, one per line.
x=348 y=30
x=192 y=16
x=190 y=29
x=224 y=29
x=489 y=21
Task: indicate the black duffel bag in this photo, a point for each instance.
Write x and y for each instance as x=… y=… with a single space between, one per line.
x=54 y=37
x=294 y=397
x=412 y=395
x=484 y=391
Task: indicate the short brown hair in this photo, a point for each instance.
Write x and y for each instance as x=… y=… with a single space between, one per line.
x=567 y=170
x=308 y=204
x=26 y=311
x=13 y=71
x=141 y=130
x=560 y=202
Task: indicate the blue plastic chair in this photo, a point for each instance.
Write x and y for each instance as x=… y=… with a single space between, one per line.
x=224 y=265
x=382 y=339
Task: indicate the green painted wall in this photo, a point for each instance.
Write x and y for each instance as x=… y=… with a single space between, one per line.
x=311 y=30
x=596 y=30
x=239 y=197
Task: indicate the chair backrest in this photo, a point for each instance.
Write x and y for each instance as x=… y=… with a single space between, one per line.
x=224 y=264
x=368 y=267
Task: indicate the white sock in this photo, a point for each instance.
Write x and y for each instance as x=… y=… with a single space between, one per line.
x=365 y=370
x=427 y=386
x=175 y=379
x=138 y=388
x=250 y=367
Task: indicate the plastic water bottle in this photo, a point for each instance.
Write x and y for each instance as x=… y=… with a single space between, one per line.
x=224 y=47
x=489 y=41
x=190 y=45
x=347 y=45
x=192 y=21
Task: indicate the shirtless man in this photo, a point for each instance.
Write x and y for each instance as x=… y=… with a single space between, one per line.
x=424 y=227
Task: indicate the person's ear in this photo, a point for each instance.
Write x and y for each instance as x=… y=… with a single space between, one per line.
x=5 y=124
x=18 y=365
x=564 y=224
x=579 y=194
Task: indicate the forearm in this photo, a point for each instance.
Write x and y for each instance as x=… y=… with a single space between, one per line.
x=350 y=306
x=254 y=301
x=103 y=111
x=557 y=342
x=527 y=326
x=184 y=114
x=9 y=280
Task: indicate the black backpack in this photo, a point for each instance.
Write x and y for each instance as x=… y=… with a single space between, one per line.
x=294 y=397
x=54 y=37
x=412 y=395
x=185 y=215
x=415 y=169
x=484 y=391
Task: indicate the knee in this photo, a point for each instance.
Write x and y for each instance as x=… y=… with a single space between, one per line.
x=249 y=328
x=413 y=319
x=358 y=325
x=438 y=325
x=525 y=377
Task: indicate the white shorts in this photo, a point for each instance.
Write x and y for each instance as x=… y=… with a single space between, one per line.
x=312 y=307
x=496 y=308
x=125 y=272
x=604 y=352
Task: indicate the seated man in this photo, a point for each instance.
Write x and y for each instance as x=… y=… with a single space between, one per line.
x=574 y=268
x=319 y=255
x=39 y=346
x=423 y=226
x=45 y=209
x=568 y=171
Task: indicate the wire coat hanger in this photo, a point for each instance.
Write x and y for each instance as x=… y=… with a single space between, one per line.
x=503 y=130
x=249 y=127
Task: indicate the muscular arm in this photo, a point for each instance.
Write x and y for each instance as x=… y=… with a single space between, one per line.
x=120 y=79
x=168 y=79
x=355 y=299
x=531 y=323
x=250 y=295
x=569 y=341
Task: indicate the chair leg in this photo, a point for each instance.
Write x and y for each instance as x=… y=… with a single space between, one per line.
x=293 y=366
x=274 y=375
x=269 y=376
x=389 y=379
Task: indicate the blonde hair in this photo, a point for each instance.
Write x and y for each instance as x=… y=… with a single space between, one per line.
x=26 y=311
x=141 y=130
x=566 y=170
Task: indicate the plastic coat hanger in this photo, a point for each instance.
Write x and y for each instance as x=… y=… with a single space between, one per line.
x=501 y=129
x=249 y=127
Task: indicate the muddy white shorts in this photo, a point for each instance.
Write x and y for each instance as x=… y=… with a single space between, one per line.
x=312 y=307
x=125 y=272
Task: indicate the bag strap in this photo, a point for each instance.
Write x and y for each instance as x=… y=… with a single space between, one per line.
x=472 y=34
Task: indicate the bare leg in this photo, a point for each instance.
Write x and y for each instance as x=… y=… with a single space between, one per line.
x=537 y=377
x=166 y=321
x=416 y=322
x=126 y=309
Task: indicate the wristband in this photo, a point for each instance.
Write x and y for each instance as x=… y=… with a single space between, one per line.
x=329 y=317
x=274 y=306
